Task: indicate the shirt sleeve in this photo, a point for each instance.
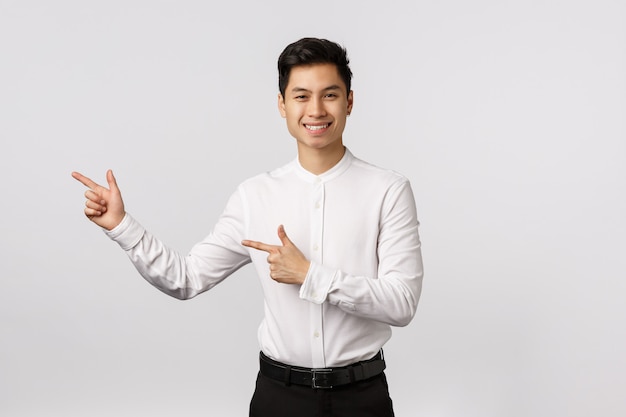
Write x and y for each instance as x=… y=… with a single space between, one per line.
x=207 y=264
x=390 y=297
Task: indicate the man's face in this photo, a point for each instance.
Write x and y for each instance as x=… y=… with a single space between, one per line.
x=315 y=107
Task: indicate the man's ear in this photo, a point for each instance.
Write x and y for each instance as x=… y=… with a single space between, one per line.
x=281 y=106
x=350 y=101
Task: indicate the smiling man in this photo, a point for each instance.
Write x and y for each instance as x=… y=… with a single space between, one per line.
x=315 y=103
x=334 y=241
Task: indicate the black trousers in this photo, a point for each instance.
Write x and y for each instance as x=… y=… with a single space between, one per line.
x=369 y=398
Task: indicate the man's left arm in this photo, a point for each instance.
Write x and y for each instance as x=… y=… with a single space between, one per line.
x=390 y=297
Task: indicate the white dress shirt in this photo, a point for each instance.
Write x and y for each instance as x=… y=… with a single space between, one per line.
x=356 y=223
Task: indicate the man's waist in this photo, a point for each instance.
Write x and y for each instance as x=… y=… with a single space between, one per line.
x=322 y=377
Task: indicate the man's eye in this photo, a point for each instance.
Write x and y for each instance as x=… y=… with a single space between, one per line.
x=331 y=95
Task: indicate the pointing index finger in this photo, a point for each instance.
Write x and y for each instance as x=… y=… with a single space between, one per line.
x=84 y=180
x=257 y=245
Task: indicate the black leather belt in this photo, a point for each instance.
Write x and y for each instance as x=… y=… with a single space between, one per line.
x=322 y=377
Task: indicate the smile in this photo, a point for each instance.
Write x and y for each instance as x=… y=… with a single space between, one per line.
x=317 y=127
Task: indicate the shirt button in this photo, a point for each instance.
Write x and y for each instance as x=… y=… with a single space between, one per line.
x=315 y=247
x=317 y=205
x=316 y=335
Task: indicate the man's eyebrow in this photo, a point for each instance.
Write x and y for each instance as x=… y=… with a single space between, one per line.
x=302 y=89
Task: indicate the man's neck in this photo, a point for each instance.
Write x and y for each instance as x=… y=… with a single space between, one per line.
x=318 y=161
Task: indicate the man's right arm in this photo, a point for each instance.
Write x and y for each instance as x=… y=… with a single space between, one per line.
x=183 y=277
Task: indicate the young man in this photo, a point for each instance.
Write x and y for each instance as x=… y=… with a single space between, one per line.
x=333 y=239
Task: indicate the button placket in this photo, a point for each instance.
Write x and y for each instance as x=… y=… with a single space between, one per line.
x=316 y=250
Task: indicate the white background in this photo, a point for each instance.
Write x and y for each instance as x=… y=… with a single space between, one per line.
x=508 y=117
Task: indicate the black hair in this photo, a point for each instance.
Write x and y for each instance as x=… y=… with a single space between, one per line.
x=308 y=51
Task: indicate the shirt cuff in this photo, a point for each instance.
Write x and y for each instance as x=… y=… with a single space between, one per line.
x=317 y=283
x=128 y=233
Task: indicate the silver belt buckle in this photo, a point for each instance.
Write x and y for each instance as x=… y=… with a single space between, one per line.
x=320 y=378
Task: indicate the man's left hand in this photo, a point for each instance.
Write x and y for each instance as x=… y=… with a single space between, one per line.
x=287 y=264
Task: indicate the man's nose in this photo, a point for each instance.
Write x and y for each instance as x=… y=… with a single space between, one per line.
x=316 y=108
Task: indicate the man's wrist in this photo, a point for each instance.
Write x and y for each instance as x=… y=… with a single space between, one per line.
x=305 y=272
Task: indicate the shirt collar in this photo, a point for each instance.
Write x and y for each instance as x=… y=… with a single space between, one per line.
x=339 y=168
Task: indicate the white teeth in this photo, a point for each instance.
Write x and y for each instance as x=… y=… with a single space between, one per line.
x=316 y=127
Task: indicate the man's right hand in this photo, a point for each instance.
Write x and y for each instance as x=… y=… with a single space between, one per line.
x=104 y=206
